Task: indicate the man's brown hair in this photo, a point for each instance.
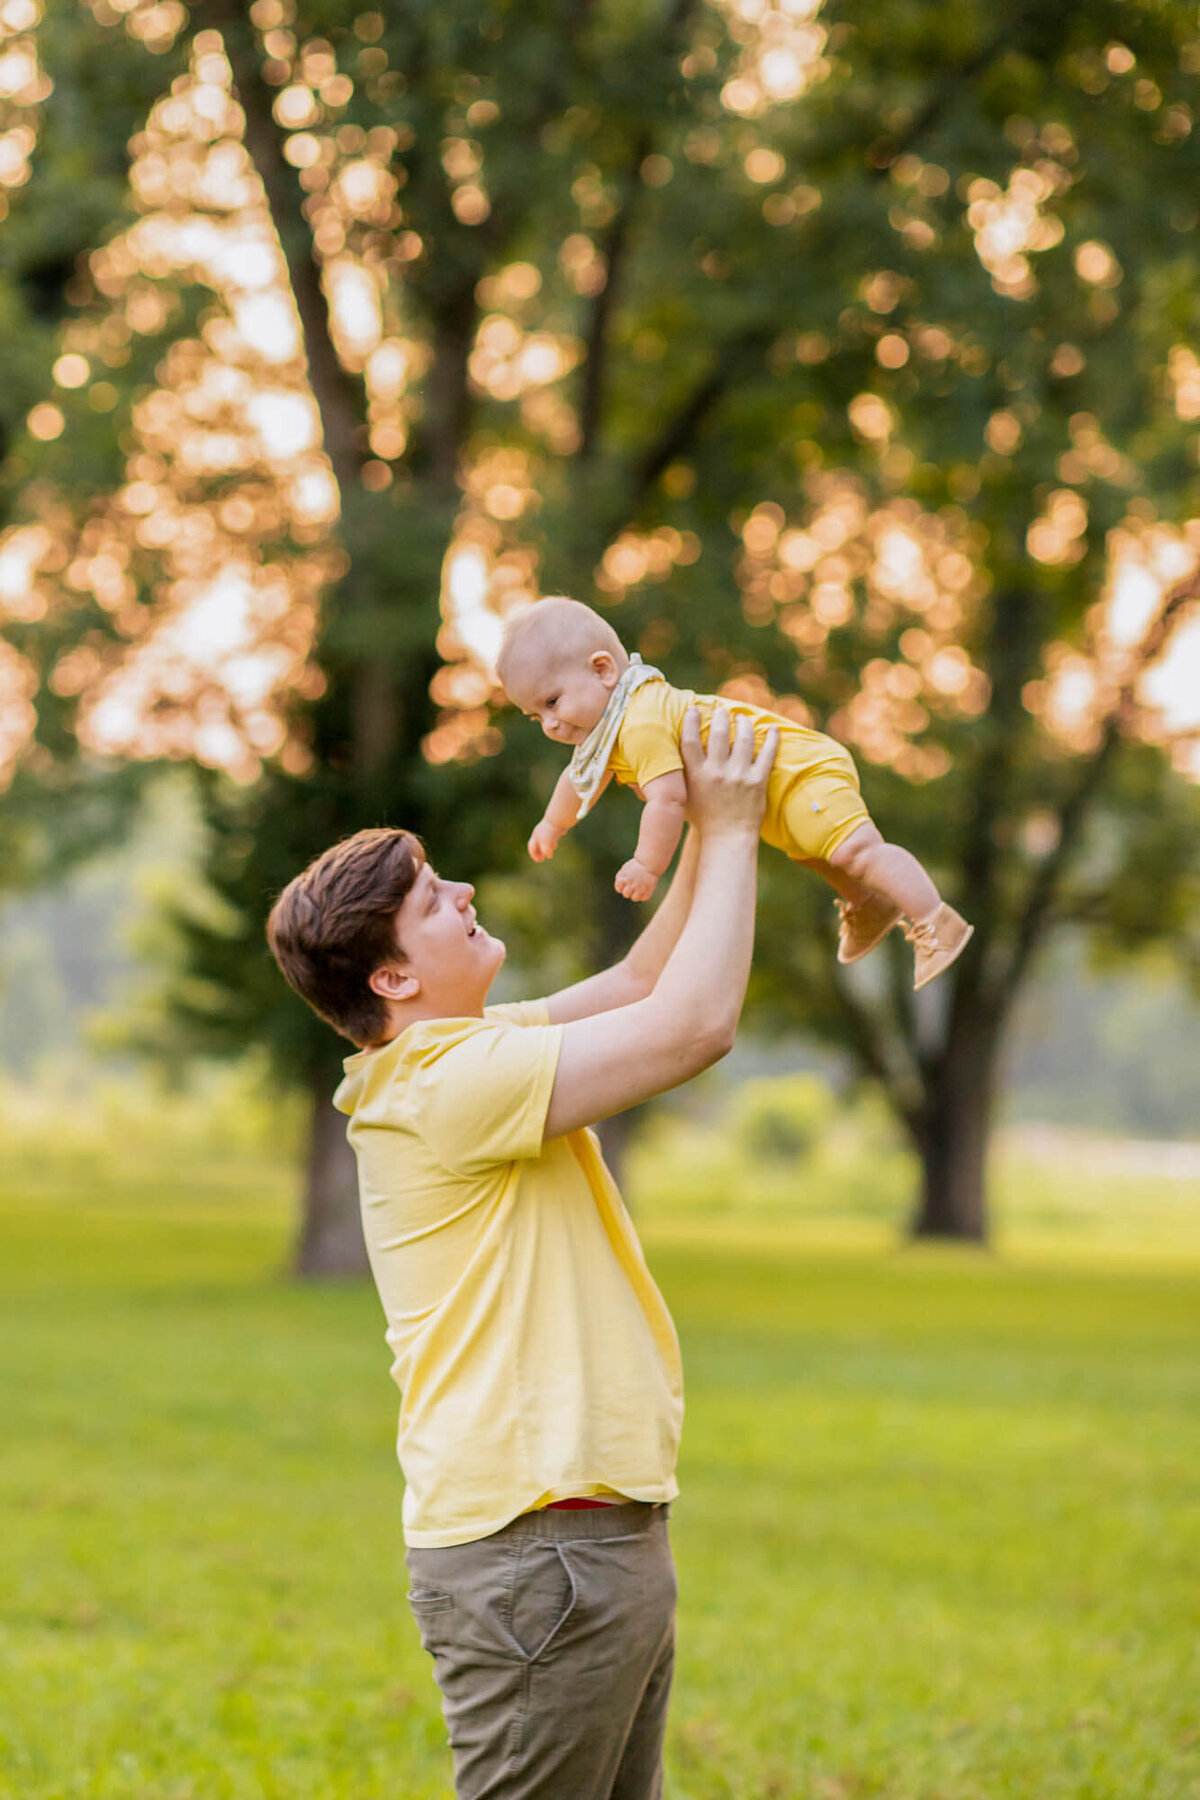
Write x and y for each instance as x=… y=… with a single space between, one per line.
x=334 y=925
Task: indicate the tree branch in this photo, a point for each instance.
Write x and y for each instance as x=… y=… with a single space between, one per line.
x=1010 y=661
x=904 y=1086
x=679 y=431
x=1073 y=813
x=448 y=410
x=904 y=1090
x=336 y=392
x=884 y=152
x=612 y=248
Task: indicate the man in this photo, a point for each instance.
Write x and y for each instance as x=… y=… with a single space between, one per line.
x=539 y=1369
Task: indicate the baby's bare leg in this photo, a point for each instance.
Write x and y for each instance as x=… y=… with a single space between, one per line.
x=843 y=884
x=867 y=860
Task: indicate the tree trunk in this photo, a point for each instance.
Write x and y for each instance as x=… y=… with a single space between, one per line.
x=330 y=1245
x=954 y=1134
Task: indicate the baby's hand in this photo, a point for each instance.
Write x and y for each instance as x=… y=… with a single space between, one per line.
x=544 y=841
x=635 y=881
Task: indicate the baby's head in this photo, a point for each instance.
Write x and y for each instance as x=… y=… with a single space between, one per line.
x=559 y=663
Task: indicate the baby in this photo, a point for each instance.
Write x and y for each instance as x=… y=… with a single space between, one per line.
x=565 y=666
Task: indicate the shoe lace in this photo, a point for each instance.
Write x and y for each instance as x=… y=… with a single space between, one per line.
x=923 y=935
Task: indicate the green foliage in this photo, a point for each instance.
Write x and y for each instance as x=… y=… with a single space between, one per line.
x=57 y=813
x=782 y=1118
x=104 y=85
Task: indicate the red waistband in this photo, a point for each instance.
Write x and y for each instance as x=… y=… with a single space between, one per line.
x=576 y=1505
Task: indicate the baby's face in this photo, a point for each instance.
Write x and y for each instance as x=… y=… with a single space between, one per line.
x=567 y=696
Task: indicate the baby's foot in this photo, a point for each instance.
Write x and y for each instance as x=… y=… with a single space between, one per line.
x=863 y=925
x=937 y=942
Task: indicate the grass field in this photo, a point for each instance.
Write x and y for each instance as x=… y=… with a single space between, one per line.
x=939 y=1539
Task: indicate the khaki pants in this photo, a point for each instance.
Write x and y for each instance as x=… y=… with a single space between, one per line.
x=553 y=1644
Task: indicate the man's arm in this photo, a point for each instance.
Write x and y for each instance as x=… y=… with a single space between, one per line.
x=635 y=975
x=616 y=1059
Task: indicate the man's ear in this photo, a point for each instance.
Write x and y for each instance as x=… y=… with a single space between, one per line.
x=392 y=982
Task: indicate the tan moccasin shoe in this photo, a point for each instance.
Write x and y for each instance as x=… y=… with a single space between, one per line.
x=937 y=942
x=864 y=925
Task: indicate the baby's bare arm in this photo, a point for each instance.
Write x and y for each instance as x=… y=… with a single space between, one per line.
x=558 y=817
x=662 y=821
x=661 y=828
x=563 y=809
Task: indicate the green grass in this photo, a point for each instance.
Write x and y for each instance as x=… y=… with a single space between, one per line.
x=1053 y=1194
x=939 y=1539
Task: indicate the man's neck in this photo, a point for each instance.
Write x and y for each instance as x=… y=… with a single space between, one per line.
x=400 y=1015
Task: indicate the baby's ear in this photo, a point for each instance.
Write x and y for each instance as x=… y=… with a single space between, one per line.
x=604 y=665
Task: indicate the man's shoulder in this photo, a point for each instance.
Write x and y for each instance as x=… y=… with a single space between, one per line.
x=372 y=1075
x=432 y=1042
x=518 y=1012
x=446 y=1063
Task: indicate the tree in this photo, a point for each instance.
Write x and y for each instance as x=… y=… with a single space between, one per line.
x=1067 y=141
x=55 y=812
x=740 y=316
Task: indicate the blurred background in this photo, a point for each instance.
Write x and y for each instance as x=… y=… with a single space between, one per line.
x=848 y=357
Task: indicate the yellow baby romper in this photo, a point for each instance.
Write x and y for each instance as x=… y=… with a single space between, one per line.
x=813 y=797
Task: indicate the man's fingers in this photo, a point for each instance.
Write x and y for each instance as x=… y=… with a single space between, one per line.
x=689 y=738
x=766 y=756
x=730 y=745
x=741 y=754
x=719 y=736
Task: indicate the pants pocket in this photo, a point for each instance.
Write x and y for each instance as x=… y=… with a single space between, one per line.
x=544 y=1595
x=431 y=1610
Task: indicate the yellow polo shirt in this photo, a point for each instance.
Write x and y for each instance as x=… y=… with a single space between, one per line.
x=536 y=1357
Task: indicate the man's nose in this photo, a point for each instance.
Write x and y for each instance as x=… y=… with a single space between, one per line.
x=466 y=893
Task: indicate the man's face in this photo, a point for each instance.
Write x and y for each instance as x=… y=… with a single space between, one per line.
x=567 y=697
x=444 y=946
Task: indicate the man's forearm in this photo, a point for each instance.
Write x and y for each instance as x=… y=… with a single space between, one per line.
x=703 y=984
x=687 y=1021
x=635 y=975
x=647 y=958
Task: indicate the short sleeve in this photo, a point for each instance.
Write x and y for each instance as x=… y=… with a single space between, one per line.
x=649 y=737
x=485 y=1099
x=520 y=1012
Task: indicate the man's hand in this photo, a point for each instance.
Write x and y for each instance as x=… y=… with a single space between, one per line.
x=727 y=784
x=635 y=880
x=544 y=841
